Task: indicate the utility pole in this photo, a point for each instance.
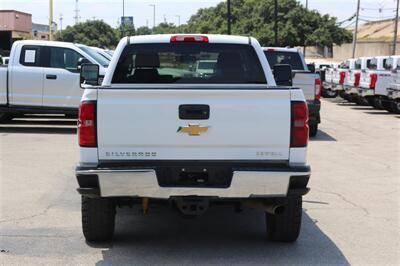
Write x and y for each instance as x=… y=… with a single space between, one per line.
x=154 y=16
x=76 y=12
x=229 y=17
x=396 y=23
x=122 y=19
x=50 y=20
x=276 y=22
x=305 y=46
x=179 y=20
x=356 y=29
x=61 y=19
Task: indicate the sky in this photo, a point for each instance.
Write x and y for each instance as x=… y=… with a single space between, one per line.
x=111 y=10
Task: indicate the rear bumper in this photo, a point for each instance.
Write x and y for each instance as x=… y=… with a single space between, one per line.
x=366 y=92
x=352 y=90
x=393 y=93
x=144 y=182
x=314 y=107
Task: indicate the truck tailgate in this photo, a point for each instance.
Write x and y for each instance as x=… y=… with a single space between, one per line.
x=306 y=82
x=144 y=124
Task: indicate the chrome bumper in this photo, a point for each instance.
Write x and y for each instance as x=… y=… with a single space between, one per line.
x=143 y=183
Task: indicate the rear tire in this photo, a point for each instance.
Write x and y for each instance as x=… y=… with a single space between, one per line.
x=313 y=130
x=387 y=106
x=285 y=227
x=5 y=117
x=327 y=93
x=98 y=219
x=395 y=107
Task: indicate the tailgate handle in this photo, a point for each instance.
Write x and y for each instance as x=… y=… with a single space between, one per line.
x=48 y=76
x=194 y=111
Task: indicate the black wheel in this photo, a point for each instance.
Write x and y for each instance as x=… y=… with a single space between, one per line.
x=98 y=219
x=387 y=106
x=285 y=227
x=330 y=93
x=395 y=107
x=313 y=130
x=5 y=117
x=378 y=103
x=371 y=101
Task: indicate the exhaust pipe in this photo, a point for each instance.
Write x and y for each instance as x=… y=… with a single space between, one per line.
x=269 y=207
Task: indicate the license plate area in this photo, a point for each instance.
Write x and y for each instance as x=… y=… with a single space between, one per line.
x=188 y=176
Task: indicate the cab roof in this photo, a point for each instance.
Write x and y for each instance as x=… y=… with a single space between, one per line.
x=212 y=38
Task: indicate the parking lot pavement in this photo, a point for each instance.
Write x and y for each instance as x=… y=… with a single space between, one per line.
x=351 y=215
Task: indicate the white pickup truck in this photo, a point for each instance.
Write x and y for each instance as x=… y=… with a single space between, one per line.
x=376 y=80
x=156 y=131
x=43 y=77
x=394 y=86
x=309 y=82
x=353 y=79
x=335 y=78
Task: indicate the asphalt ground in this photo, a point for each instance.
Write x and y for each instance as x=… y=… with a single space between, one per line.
x=351 y=215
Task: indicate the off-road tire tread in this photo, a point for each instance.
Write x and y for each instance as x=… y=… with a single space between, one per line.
x=313 y=130
x=98 y=219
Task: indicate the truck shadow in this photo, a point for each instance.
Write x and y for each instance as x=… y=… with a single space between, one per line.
x=221 y=236
x=322 y=136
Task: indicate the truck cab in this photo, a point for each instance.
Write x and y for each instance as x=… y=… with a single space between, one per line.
x=43 y=77
x=157 y=132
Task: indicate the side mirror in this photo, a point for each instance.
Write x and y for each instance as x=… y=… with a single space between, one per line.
x=311 y=68
x=89 y=75
x=283 y=75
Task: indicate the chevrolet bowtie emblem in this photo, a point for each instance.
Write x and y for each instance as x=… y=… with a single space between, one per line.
x=193 y=129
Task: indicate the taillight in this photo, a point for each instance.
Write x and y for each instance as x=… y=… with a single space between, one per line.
x=189 y=38
x=357 y=77
x=87 y=124
x=299 y=130
x=342 y=77
x=317 y=84
x=373 y=78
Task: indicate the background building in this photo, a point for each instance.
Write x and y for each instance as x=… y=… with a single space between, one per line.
x=16 y=25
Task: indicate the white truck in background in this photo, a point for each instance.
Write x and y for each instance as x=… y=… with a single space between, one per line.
x=353 y=79
x=336 y=76
x=43 y=77
x=394 y=87
x=304 y=79
x=376 y=80
x=155 y=131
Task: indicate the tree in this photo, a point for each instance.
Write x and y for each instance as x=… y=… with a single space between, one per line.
x=297 y=26
x=92 y=33
x=143 y=30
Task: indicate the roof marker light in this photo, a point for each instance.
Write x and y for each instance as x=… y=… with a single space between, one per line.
x=189 y=38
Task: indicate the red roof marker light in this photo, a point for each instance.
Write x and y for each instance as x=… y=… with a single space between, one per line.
x=189 y=38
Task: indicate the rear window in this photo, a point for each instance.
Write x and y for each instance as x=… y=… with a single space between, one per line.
x=373 y=64
x=388 y=64
x=357 y=64
x=189 y=63
x=291 y=58
x=345 y=64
